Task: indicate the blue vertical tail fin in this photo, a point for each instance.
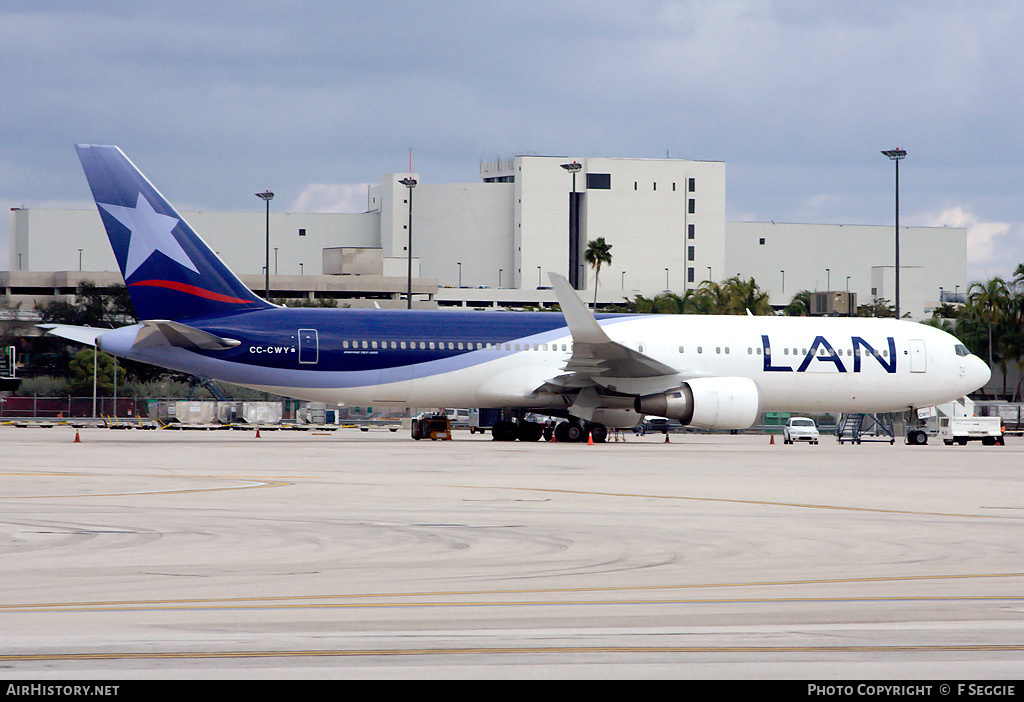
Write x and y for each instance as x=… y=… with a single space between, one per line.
x=169 y=270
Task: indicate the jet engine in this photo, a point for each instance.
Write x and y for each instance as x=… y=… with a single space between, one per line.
x=710 y=403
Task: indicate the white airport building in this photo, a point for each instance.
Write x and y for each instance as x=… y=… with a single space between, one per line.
x=492 y=243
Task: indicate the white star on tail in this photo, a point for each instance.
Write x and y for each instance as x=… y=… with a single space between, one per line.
x=150 y=232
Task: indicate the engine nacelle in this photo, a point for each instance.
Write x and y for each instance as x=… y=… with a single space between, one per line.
x=710 y=403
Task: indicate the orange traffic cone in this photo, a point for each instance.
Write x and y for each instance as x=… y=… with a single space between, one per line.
x=590 y=439
x=257 y=432
x=666 y=438
x=772 y=442
x=77 y=439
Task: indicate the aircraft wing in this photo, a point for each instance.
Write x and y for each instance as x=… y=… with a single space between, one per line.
x=598 y=361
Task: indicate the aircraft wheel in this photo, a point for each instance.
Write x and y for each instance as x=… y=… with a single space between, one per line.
x=575 y=432
x=562 y=432
x=504 y=431
x=530 y=431
x=599 y=433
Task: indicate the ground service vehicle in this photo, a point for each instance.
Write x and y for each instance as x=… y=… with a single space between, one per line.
x=800 y=429
x=960 y=430
x=432 y=426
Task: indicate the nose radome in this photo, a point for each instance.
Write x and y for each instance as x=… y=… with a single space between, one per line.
x=978 y=373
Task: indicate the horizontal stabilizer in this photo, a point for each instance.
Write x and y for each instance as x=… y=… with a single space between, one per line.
x=83 y=335
x=157 y=332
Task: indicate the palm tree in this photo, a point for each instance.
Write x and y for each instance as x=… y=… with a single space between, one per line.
x=598 y=252
x=745 y=296
x=989 y=300
x=800 y=305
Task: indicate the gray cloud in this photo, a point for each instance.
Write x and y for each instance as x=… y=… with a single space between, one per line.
x=215 y=101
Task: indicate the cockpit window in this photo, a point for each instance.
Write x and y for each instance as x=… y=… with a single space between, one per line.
x=961 y=350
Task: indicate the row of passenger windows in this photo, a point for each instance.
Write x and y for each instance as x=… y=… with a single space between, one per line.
x=756 y=350
x=451 y=345
x=470 y=346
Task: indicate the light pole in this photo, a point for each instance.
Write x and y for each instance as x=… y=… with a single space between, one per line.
x=574 y=227
x=267 y=197
x=459 y=263
x=897 y=155
x=828 y=279
x=783 y=280
x=409 y=183
x=80 y=260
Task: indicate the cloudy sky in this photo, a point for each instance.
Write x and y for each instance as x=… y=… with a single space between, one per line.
x=215 y=101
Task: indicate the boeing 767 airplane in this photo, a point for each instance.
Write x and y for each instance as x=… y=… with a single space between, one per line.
x=715 y=372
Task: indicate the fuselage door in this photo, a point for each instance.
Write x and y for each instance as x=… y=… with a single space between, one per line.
x=309 y=349
x=918 y=357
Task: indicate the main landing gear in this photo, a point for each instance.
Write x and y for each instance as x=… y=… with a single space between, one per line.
x=571 y=431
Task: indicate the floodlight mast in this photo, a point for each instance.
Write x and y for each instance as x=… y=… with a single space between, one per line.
x=897 y=155
x=410 y=183
x=574 y=224
x=266 y=196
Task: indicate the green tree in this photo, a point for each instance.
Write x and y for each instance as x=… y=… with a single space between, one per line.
x=598 y=253
x=800 y=305
x=879 y=307
x=81 y=368
x=745 y=296
x=989 y=301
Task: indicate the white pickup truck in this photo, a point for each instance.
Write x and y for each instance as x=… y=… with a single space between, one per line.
x=960 y=430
